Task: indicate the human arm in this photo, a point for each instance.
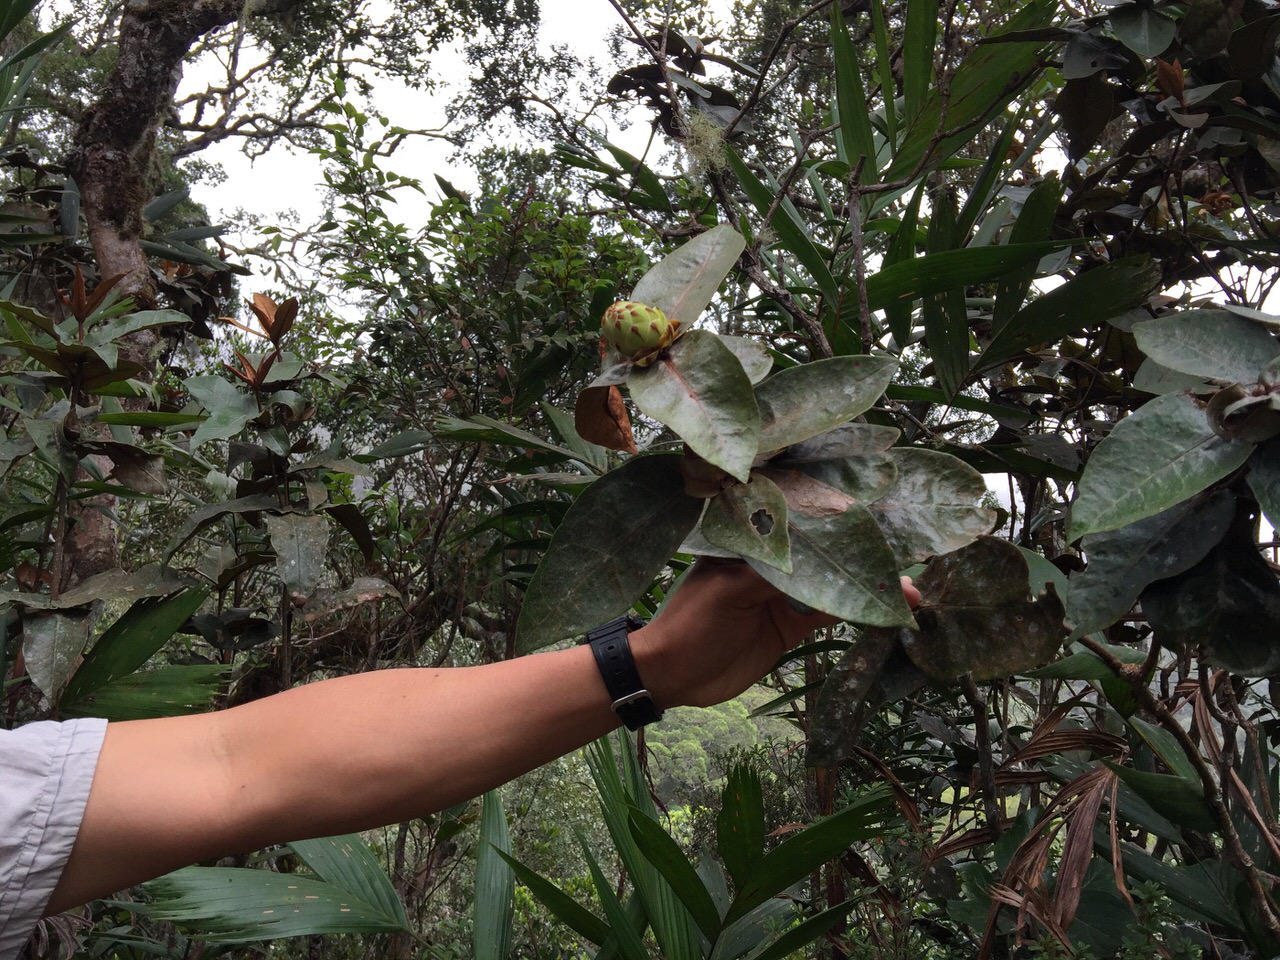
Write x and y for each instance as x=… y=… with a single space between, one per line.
x=365 y=750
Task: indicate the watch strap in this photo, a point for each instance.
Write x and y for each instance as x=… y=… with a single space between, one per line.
x=631 y=701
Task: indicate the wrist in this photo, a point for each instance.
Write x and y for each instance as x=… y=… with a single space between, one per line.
x=649 y=646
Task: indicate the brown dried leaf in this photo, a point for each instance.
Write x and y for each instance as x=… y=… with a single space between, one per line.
x=600 y=417
x=1170 y=80
x=1077 y=852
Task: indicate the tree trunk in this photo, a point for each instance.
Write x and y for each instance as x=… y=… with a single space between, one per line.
x=114 y=149
x=112 y=160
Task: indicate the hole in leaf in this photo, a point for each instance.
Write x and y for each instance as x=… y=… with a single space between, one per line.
x=762 y=520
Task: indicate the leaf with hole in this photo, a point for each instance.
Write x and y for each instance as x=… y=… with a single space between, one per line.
x=750 y=520
x=839 y=559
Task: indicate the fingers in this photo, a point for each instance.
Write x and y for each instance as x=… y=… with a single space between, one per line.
x=910 y=592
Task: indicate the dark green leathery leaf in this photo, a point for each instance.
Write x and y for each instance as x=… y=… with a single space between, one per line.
x=1228 y=604
x=611 y=544
x=1123 y=562
x=699 y=389
x=977 y=615
x=874 y=671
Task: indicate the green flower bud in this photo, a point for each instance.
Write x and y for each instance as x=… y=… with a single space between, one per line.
x=636 y=330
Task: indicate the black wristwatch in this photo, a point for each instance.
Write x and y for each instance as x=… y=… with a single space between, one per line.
x=631 y=701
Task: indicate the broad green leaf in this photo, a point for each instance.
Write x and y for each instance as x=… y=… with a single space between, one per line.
x=902 y=249
x=51 y=644
x=119 y=327
x=864 y=479
x=1005 y=414
x=559 y=904
x=1227 y=606
x=840 y=561
x=1213 y=344
x=787 y=224
x=30 y=314
x=1171 y=796
x=740 y=823
x=750 y=520
x=980 y=617
x=119 y=584
x=347 y=862
x=665 y=854
x=911 y=279
x=613 y=541
x=495 y=884
x=799 y=855
x=1205 y=891
x=752 y=354
x=1085 y=299
x=238 y=905
x=1156 y=457
x=1123 y=562
x=682 y=283
x=981 y=199
x=884 y=69
x=1146 y=32
x=873 y=671
x=645 y=178
x=1156 y=379
x=229 y=409
x=699 y=389
x=300 y=541
x=129 y=642
x=918 y=55
x=1264 y=480
x=201 y=517
x=856 y=139
x=150 y=418
x=809 y=399
x=933 y=507
x=848 y=440
x=1086 y=665
x=168 y=691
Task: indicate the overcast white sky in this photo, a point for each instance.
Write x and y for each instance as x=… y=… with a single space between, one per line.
x=283 y=180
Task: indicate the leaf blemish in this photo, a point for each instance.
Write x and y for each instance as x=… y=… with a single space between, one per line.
x=762 y=520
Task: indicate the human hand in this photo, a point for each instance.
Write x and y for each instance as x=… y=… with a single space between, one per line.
x=719 y=632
